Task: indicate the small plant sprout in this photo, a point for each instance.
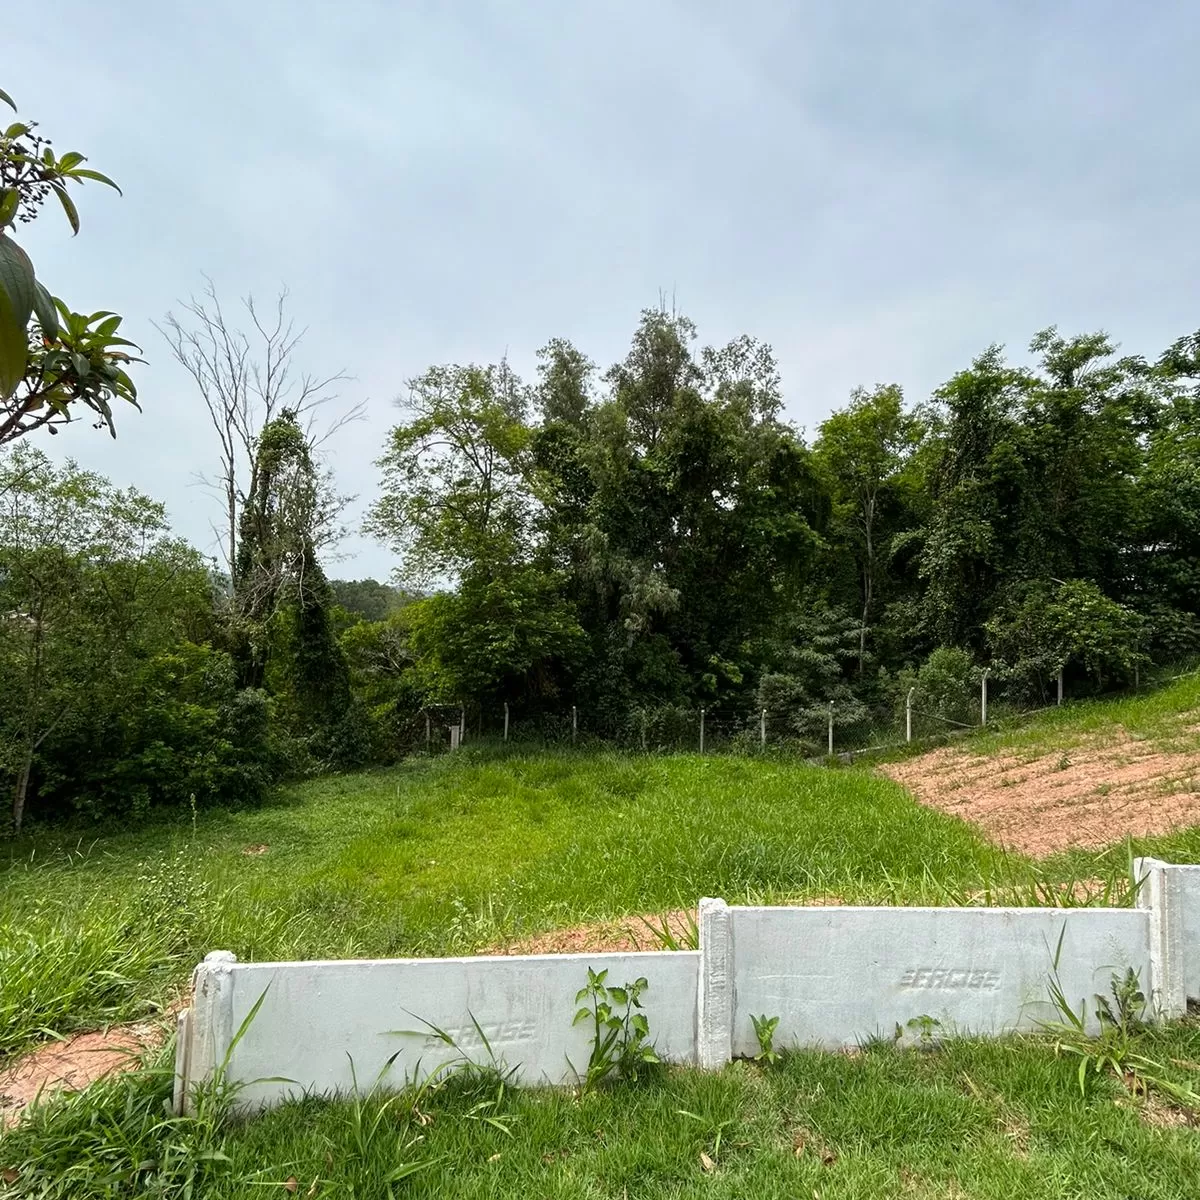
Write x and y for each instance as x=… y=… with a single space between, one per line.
x=925 y=1028
x=620 y=1030
x=764 y=1031
x=714 y=1134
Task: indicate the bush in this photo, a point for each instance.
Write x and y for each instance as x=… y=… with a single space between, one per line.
x=179 y=732
x=945 y=686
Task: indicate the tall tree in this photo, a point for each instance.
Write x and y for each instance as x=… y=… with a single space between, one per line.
x=864 y=448
x=246 y=380
x=455 y=490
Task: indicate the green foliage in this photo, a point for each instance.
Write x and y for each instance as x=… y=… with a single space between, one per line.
x=367 y=599
x=502 y=633
x=946 y=685
x=105 y=704
x=1040 y=629
x=764 y=1034
x=63 y=359
x=621 y=1045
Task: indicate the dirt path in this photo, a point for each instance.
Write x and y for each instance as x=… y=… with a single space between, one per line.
x=1089 y=795
x=71 y=1065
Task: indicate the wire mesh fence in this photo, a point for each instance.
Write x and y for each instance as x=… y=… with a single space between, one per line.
x=817 y=730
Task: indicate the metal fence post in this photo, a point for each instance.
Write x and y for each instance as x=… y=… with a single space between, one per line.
x=983 y=696
x=1060 y=685
x=831 y=729
x=702 y=731
x=762 y=729
x=574 y=723
x=506 y=720
x=907 y=715
x=462 y=723
x=428 y=731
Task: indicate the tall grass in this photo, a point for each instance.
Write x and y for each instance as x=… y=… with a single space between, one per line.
x=455 y=855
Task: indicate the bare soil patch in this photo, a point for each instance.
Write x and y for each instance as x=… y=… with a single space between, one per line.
x=71 y=1065
x=624 y=934
x=1089 y=795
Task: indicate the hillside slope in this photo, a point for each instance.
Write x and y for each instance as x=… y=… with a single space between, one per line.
x=1083 y=776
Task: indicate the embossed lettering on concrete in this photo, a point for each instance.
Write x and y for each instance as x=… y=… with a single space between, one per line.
x=949 y=979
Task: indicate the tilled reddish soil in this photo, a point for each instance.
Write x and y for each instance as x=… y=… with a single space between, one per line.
x=1089 y=795
x=73 y=1064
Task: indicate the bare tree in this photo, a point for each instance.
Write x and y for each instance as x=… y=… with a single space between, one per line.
x=246 y=380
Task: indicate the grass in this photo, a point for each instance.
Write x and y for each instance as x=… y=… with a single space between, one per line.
x=449 y=856
x=454 y=855
x=1001 y=1119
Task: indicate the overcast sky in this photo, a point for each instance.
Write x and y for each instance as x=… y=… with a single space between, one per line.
x=879 y=190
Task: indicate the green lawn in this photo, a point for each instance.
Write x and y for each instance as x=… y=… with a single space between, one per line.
x=1002 y=1119
x=452 y=855
x=448 y=856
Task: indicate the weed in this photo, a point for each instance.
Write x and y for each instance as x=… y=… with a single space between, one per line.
x=374 y=1137
x=714 y=1136
x=764 y=1031
x=667 y=939
x=926 y=1028
x=620 y=1031
x=1115 y=1049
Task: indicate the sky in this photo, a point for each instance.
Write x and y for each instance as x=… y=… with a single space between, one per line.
x=879 y=190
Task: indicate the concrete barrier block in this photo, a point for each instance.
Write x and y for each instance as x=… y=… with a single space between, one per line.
x=715 y=1005
x=319 y=1018
x=835 y=976
x=1170 y=894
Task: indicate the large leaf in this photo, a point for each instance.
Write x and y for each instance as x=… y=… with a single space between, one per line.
x=16 y=303
x=8 y=100
x=88 y=173
x=43 y=306
x=9 y=199
x=68 y=205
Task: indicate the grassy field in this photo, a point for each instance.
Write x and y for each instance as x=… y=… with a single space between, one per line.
x=456 y=855
x=447 y=856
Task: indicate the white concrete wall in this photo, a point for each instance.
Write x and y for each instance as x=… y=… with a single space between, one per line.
x=1189 y=914
x=837 y=975
x=318 y=1017
x=833 y=976
x=1171 y=896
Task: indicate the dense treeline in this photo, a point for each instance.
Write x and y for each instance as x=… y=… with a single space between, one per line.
x=636 y=542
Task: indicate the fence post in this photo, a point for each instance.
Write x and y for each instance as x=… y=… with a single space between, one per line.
x=702 y=731
x=574 y=723
x=762 y=729
x=907 y=718
x=506 y=720
x=428 y=731
x=831 y=729
x=1060 y=685
x=462 y=723
x=983 y=696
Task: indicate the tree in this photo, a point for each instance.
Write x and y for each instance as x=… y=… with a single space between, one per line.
x=864 y=448
x=52 y=361
x=90 y=585
x=246 y=381
x=455 y=490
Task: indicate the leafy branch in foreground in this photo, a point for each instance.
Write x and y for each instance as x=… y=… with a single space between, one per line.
x=51 y=358
x=620 y=1030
